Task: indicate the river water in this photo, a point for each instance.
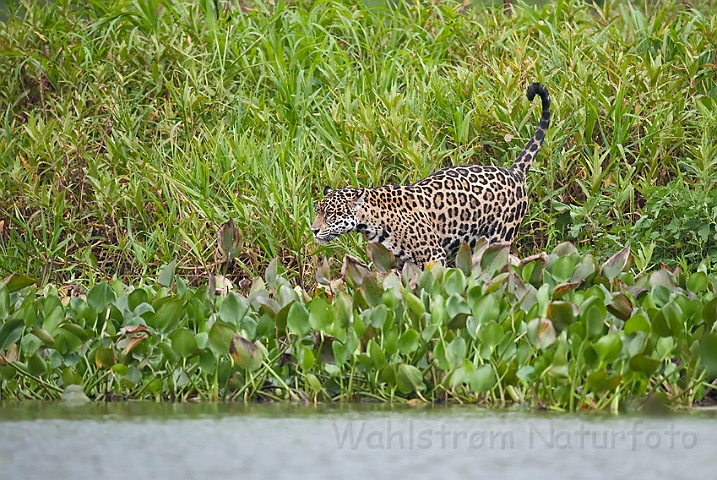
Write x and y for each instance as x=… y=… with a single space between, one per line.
x=206 y=441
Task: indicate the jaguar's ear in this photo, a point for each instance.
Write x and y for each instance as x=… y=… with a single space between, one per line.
x=360 y=197
x=327 y=189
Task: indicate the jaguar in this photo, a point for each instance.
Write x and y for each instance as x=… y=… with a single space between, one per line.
x=428 y=220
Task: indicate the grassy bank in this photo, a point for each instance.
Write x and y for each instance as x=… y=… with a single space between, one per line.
x=131 y=132
x=562 y=331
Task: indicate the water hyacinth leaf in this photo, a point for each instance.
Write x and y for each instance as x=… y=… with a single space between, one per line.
x=100 y=296
x=36 y=365
x=698 y=282
x=674 y=317
x=456 y=352
x=482 y=379
x=709 y=313
x=371 y=290
x=562 y=269
x=321 y=315
x=297 y=320
x=564 y=249
x=409 y=379
x=229 y=240
x=183 y=342
x=458 y=312
x=491 y=334
x=413 y=303
x=637 y=323
x=585 y=269
x=615 y=264
x=562 y=314
x=17 y=282
x=438 y=310
x=644 y=364
x=382 y=258
x=220 y=337
x=233 y=309
x=564 y=288
x=608 y=347
x=708 y=352
x=353 y=271
x=10 y=333
x=166 y=274
x=378 y=357
x=532 y=268
x=485 y=308
x=409 y=341
x=620 y=306
x=340 y=353
x=526 y=373
x=464 y=259
x=663 y=278
x=454 y=282
x=44 y=336
x=53 y=319
x=495 y=258
x=246 y=354
x=594 y=321
x=541 y=332
x=105 y=357
x=440 y=356
x=168 y=314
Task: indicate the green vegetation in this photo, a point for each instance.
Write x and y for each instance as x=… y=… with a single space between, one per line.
x=132 y=130
x=556 y=330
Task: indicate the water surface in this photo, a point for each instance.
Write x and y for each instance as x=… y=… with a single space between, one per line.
x=206 y=441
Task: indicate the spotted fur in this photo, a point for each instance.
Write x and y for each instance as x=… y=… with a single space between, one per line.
x=428 y=220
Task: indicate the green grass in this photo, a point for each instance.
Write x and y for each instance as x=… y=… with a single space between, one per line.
x=131 y=132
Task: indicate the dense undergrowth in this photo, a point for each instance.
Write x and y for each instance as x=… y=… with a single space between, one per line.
x=131 y=130
x=560 y=331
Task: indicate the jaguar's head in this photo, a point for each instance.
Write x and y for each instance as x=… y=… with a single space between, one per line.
x=336 y=213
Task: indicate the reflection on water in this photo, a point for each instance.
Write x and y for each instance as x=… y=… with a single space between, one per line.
x=175 y=441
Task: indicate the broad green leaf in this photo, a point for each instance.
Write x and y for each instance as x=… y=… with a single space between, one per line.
x=382 y=258
x=486 y=309
x=620 y=306
x=563 y=268
x=297 y=321
x=637 y=323
x=10 y=332
x=376 y=353
x=615 y=264
x=456 y=352
x=409 y=341
x=183 y=342
x=340 y=353
x=247 y=355
x=409 y=379
x=491 y=334
x=100 y=296
x=608 y=347
x=644 y=364
x=220 y=337
x=233 y=309
x=168 y=314
x=105 y=357
x=698 y=282
x=321 y=315
x=17 y=282
x=36 y=365
x=482 y=378
x=413 y=303
x=562 y=314
x=708 y=352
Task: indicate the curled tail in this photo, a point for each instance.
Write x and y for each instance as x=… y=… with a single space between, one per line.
x=522 y=163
